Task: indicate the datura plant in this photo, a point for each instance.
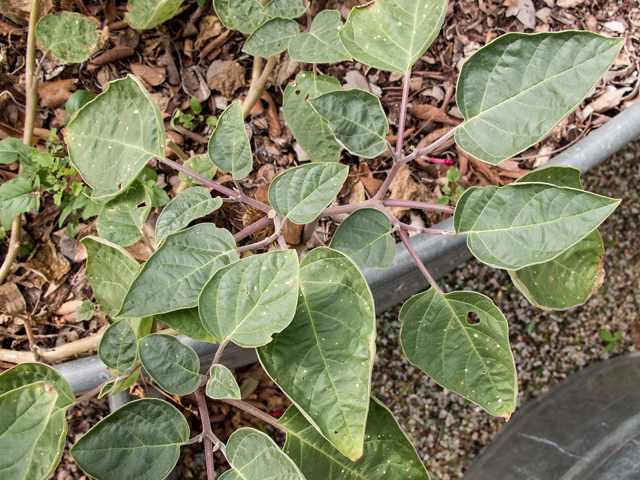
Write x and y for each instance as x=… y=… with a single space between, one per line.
x=311 y=319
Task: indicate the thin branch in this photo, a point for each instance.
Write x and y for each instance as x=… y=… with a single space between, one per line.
x=197 y=439
x=254 y=227
x=178 y=151
x=256 y=412
x=419 y=263
x=188 y=133
x=403 y=112
x=218 y=355
x=338 y=209
x=208 y=435
x=282 y=243
x=266 y=241
x=389 y=202
x=392 y=152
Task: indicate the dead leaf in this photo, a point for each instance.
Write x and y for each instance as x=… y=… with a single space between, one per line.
x=284 y=69
x=116 y=53
x=226 y=77
x=18 y=10
x=272 y=115
x=194 y=84
x=635 y=332
x=209 y=27
x=154 y=76
x=432 y=113
x=485 y=170
x=355 y=79
x=110 y=12
x=127 y=38
x=568 y=3
x=608 y=100
x=215 y=44
x=54 y=94
x=140 y=250
x=544 y=155
x=405 y=188
x=356 y=194
x=49 y=262
x=371 y=185
x=68 y=307
x=11 y=299
x=615 y=26
x=527 y=13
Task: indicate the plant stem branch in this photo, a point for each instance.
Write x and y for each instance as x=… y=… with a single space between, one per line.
x=419 y=263
x=208 y=435
x=257 y=87
x=263 y=243
x=403 y=113
x=218 y=355
x=418 y=205
x=282 y=243
x=338 y=209
x=256 y=412
x=178 y=151
x=254 y=227
x=92 y=393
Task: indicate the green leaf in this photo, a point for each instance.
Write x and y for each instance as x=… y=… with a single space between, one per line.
x=26 y=412
x=472 y=359
x=301 y=193
x=311 y=130
x=253 y=455
x=222 y=384
x=12 y=149
x=70 y=37
x=147 y=14
x=526 y=224
x=139 y=441
x=555 y=175
x=120 y=384
x=28 y=373
x=172 y=364
x=78 y=99
x=200 y=164
x=250 y=300
x=393 y=34
x=17 y=196
x=110 y=270
x=84 y=311
x=242 y=15
x=271 y=38
x=322 y=44
x=364 y=236
x=195 y=105
x=112 y=138
x=285 y=8
x=119 y=348
x=515 y=90
x=174 y=275
x=323 y=360
x=120 y=220
x=388 y=453
x=229 y=147
x=453 y=175
x=606 y=335
x=187 y=322
x=357 y=120
x=187 y=206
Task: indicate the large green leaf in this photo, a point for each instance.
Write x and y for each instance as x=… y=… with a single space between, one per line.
x=25 y=415
x=110 y=270
x=471 y=359
x=271 y=38
x=146 y=14
x=250 y=300
x=118 y=348
x=515 y=90
x=221 y=384
x=242 y=15
x=17 y=196
x=112 y=138
x=229 y=147
x=323 y=360
x=139 y=441
x=200 y=164
x=187 y=206
x=322 y=44
x=120 y=220
x=172 y=364
x=387 y=453
x=70 y=37
x=253 y=455
x=187 y=322
x=174 y=275
x=364 y=236
x=357 y=120
x=12 y=149
x=311 y=130
x=284 y=8
x=393 y=34
x=301 y=193
x=555 y=175
x=526 y=224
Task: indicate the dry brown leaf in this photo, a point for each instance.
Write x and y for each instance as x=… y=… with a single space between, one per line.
x=272 y=115
x=608 y=100
x=356 y=194
x=54 y=94
x=371 y=185
x=635 y=332
x=209 y=27
x=486 y=171
x=68 y=307
x=405 y=188
x=225 y=77
x=11 y=299
x=116 y=53
x=568 y=3
x=154 y=76
x=18 y=10
x=435 y=114
x=50 y=263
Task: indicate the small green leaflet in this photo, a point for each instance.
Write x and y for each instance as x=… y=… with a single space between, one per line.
x=473 y=360
x=193 y=203
x=357 y=120
x=200 y=164
x=229 y=147
x=323 y=359
x=271 y=38
x=284 y=8
x=147 y=14
x=253 y=455
x=84 y=311
x=393 y=34
x=508 y=228
x=515 y=90
x=143 y=440
x=388 y=453
x=311 y=130
x=187 y=322
x=70 y=37
x=301 y=193
x=112 y=138
x=242 y=15
x=120 y=220
x=364 y=236
x=120 y=384
x=322 y=44
x=174 y=275
x=17 y=196
x=222 y=384
x=118 y=348
x=250 y=300
x=12 y=149
x=172 y=364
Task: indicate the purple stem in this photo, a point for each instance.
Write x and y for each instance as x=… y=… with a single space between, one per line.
x=254 y=227
x=403 y=113
x=283 y=243
x=348 y=208
x=389 y=202
x=427 y=231
x=419 y=263
x=208 y=434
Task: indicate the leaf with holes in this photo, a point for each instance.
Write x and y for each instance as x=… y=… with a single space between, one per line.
x=364 y=236
x=271 y=38
x=461 y=340
x=172 y=364
x=70 y=37
x=120 y=220
x=17 y=196
x=187 y=322
x=392 y=35
x=515 y=90
x=118 y=348
x=174 y=275
x=250 y=300
x=147 y=14
x=357 y=120
x=242 y=15
x=322 y=44
x=185 y=207
x=526 y=224
x=222 y=384
x=140 y=441
x=323 y=360
x=284 y=8
x=229 y=147
x=388 y=453
x=202 y=165
x=310 y=129
x=112 y=138
x=301 y=193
